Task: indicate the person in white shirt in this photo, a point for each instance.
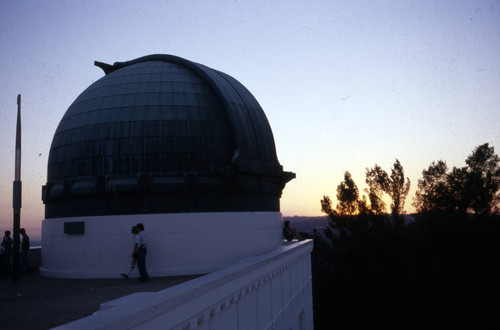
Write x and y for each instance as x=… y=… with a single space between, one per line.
x=140 y=250
x=134 y=255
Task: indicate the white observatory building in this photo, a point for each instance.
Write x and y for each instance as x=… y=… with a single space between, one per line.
x=187 y=151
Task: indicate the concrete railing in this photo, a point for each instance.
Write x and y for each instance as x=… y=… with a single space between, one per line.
x=35 y=256
x=270 y=291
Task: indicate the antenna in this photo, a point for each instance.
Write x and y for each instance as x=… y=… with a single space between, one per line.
x=16 y=198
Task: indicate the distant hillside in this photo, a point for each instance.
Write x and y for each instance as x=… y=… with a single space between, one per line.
x=307 y=224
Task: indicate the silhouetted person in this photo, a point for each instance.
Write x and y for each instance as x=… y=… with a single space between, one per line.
x=134 y=231
x=6 y=252
x=25 y=249
x=289 y=233
x=141 y=249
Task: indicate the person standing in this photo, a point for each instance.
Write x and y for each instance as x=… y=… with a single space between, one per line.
x=7 y=252
x=25 y=249
x=289 y=233
x=140 y=250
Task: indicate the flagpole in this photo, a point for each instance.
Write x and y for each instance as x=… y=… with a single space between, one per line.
x=16 y=199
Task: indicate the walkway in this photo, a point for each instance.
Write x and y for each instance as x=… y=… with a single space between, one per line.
x=42 y=303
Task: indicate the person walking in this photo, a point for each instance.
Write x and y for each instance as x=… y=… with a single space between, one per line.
x=25 y=249
x=140 y=249
x=134 y=255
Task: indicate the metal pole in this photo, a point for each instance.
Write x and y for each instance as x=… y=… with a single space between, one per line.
x=16 y=200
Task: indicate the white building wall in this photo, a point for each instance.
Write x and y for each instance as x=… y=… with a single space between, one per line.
x=178 y=243
x=270 y=291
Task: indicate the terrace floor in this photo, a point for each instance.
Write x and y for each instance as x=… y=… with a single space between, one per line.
x=37 y=302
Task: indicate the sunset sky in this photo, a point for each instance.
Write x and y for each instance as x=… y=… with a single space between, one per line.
x=345 y=85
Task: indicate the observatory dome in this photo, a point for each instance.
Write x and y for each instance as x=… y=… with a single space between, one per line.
x=161 y=134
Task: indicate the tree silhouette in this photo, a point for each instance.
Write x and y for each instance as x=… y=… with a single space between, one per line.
x=483 y=179
x=396 y=185
x=349 y=202
x=369 y=272
x=398 y=188
x=376 y=179
x=433 y=190
x=459 y=198
x=347 y=195
x=326 y=206
x=474 y=187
